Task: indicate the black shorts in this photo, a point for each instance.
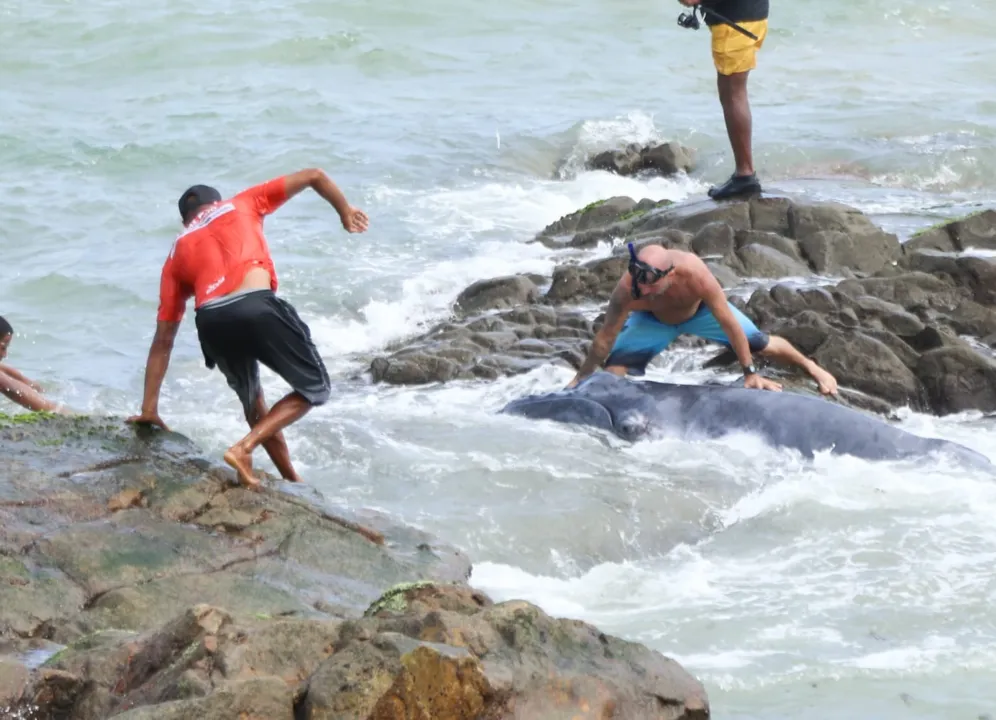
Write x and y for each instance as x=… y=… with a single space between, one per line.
x=237 y=334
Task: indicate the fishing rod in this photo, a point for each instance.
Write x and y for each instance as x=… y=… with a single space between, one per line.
x=691 y=20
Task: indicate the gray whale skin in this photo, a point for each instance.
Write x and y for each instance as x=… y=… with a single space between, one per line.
x=636 y=409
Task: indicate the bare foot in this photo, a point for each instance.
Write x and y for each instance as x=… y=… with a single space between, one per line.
x=826 y=382
x=242 y=464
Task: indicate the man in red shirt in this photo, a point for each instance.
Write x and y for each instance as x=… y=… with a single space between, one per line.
x=221 y=259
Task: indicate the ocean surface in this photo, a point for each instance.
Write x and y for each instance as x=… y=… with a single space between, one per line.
x=837 y=589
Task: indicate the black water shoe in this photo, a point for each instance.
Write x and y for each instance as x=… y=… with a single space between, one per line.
x=735 y=186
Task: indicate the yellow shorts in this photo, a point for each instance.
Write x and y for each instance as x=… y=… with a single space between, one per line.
x=732 y=51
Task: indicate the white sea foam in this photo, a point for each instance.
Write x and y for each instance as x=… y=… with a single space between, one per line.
x=515 y=212
x=792 y=589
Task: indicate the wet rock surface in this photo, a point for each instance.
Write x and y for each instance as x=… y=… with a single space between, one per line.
x=878 y=315
x=138 y=580
x=489 y=345
x=664 y=159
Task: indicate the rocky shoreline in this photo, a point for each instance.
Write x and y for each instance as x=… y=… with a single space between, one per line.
x=899 y=324
x=139 y=580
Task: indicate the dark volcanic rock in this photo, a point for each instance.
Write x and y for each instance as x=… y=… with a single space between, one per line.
x=497 y=293
x=714 y=240
x=978 y=275
x=455 y=655
x=867 y=364
x=877 y=335
x=958 y=379
x=782 y=244
x=178 y=594
x=871 y=329
x=598 y=222
x=665 y=159
x=977 y=230
x=101 y=529
x=489 y=346
x=584 y=283
x=765 y=261
x=827 y=238
x=596 y=215
x=830 y=251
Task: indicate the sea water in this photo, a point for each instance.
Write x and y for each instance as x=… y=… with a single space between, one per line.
x=834 y=589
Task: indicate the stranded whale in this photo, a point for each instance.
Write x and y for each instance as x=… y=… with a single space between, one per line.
x=633 y=410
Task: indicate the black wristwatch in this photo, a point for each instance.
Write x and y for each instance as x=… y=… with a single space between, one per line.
x=749 y=370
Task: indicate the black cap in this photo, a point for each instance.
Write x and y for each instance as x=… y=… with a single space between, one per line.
x=194 y=197
x=5 y=329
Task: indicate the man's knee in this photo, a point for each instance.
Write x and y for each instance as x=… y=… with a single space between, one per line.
x=732 y=85
x=316 y=396
x=734 y=67
x=642 y=338
x=758 y=340
x=628 y=363
x=319 y=399
x=310 y=381
x=620 y=370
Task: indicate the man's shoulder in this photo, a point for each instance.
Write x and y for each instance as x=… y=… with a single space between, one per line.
x=686 y=262
x=269 y=188
x=263 y=198
x=689 y=268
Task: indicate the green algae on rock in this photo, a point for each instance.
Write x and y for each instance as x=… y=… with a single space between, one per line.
x=175 y=593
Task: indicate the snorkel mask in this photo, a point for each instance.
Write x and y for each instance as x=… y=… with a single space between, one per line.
x=642 y=273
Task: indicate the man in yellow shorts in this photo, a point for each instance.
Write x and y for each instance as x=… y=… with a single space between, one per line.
x=735 y=55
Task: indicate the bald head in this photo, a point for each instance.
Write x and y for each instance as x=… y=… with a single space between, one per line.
x=655 y=255
x=649 y=274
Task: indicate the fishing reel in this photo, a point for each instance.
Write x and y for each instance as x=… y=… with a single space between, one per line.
x=690 y=19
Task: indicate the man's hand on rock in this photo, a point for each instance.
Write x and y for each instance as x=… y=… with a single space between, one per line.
x=148 y=418
x=756 y=382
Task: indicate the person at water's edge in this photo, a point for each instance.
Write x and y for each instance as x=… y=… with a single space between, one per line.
x=14 y=385
x=221 y=258
x=735 y=55
x=686 y=300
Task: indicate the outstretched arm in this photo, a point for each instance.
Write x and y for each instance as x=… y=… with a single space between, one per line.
x=713 y=296
x=155 y=372
x=715 y=299
x=353 y=219
x=17 y=375
x=615 y=316
x=23 y=394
